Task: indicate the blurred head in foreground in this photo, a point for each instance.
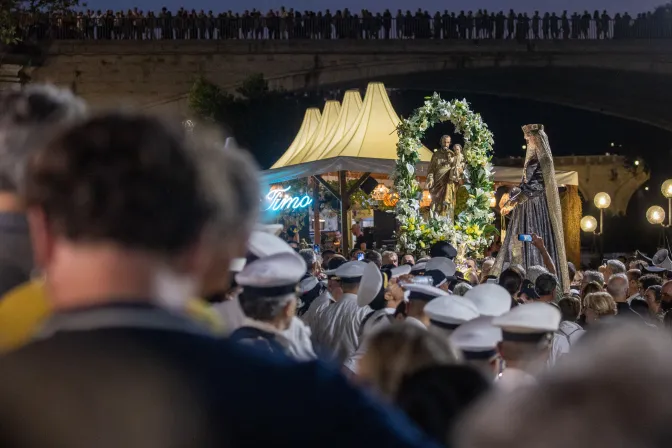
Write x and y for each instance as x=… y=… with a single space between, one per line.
x=398 y=351
x=616 y=380
x=435 y=397
x=125 y=205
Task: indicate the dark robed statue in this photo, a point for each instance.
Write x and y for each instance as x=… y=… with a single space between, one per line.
x=535 y=207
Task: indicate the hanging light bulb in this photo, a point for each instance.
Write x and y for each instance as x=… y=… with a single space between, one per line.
x=379 y=192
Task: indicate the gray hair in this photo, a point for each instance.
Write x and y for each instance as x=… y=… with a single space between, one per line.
x=29 y=117
x=614 y=355
x=616 y=267
x=309 y=256
x=264 y=309
x=593 y=276
x=535 y=271
x=617 y=286
x=461 y=288
x=388 y=253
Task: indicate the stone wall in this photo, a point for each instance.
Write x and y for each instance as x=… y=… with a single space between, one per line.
x=158 y=74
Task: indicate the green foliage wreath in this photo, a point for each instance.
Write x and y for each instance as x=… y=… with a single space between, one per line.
x=473 y=227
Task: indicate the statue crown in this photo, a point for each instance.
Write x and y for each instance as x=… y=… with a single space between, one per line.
x=530 y=128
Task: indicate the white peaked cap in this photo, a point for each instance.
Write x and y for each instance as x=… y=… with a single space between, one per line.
x=423 y=292
x=351 y=269
x=443 y=264
x=419 y=267
x=308 y=284
x=490 y=299
x=477 y=335
x=263 y=244
x=370 y=286
x=400 y=270
x=274 y=271
x=237 y=264
x=531 y=318
x=451 y=311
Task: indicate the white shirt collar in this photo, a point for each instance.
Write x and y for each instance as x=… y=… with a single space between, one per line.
x=511 y=379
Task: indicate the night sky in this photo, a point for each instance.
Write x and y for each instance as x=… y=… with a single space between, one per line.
x=613 y=6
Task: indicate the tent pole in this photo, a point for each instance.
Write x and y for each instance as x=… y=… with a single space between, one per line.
x=316 y=211
x=345 y=206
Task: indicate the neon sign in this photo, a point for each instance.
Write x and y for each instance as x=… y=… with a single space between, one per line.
x=280 y=200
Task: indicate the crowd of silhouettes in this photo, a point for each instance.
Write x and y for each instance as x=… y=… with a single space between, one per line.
x=285 y=23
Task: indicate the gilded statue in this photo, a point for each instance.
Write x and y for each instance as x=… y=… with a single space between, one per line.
x=444 y=177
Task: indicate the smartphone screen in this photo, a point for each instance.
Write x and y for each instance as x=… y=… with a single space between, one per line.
x=524 y=237
x=316 y=248
x=360 y=256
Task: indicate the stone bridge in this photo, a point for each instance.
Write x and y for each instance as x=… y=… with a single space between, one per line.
x=614 y=175
x=626 y=78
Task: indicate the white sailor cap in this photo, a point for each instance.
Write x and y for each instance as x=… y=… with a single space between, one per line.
x=423 y=292
x=532 y=322
x=307 y=284
x=419 y=267
x=237 y=264
x=477 y=338
x=490 y=299
x=373 y=282
x=350 y=272
x=443 y=264
x=449 y=312
x=272 y=276
x=438 y=277
x=404 y=269
x=263 y=244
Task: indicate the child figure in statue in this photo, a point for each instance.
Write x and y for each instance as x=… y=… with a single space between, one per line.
x=535 y=208
x=444 y=177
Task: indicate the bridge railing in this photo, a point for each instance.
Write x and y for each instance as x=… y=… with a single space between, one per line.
x=444 y=28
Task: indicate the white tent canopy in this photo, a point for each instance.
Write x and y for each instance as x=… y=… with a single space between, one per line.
x=329 y=118
x=311 y=120
x=352 y=103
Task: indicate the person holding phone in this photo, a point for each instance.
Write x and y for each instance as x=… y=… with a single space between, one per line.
x=535 y=210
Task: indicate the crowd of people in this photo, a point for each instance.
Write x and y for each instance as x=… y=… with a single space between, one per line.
x=144 y=305
x=137 y=24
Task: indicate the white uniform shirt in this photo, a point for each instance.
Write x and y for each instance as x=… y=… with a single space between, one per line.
x=316 y=308
x=378 y=320
x=300 y=347
x=342 y=321
x=568 y=334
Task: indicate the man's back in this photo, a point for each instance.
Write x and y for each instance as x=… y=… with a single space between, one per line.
x=179 y=386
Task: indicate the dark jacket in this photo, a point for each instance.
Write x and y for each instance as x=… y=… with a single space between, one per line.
x=136 y=386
